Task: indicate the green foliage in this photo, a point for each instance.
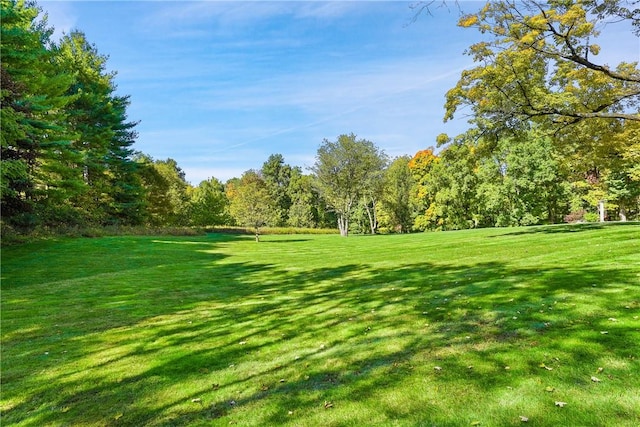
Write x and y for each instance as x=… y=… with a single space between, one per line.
x=65 y=135
x=396 y=198
x=479 y=183
x=521 y=183
x=454 y=204
x=251 y=204
x=555 y=132
x=165 y=189
x=208 y=204
x=553 y=125
x=305 y=202
x=539 y=64
x=277 y=177
x=591 y=217
x=35 y=143
x=347 y=171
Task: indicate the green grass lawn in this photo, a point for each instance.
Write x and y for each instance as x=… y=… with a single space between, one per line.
x=461 y=328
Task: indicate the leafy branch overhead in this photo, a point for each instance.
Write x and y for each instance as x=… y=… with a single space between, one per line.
x=539 y=62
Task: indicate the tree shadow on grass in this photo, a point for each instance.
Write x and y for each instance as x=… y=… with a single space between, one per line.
x=231 y=341
x=55 y=261
x=566 y=228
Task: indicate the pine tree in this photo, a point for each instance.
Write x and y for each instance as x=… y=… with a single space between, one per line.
x=37 y=176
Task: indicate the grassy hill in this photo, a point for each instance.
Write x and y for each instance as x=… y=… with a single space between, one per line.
x=491 y=327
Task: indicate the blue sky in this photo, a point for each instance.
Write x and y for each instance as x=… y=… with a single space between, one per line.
x=219 y=86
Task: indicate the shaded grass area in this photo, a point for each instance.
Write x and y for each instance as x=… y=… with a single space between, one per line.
x=446 y=329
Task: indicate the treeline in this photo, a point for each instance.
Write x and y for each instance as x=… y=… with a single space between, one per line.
x=68 y=160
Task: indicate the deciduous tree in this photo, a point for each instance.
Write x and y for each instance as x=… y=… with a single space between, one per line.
x=520 y=183
x=208 y=204
x=303 y=211
x=396 y=196
x=345 y=171
x=251 y=204
x=540 y=64
x=423 y=191
x=277 y=176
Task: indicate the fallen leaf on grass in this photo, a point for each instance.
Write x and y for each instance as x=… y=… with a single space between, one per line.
x=437 y=368
x=595 y=379
x=600 y=370
x=613 y=319
x=542 y=365
x=196 y=400
x=328 y=404
x=524 y=419
x=475 y=423
x=290 y=413
x=561 y=404
x=604 y=332
x=549 y=389
x=118 y=416
x=242 y=342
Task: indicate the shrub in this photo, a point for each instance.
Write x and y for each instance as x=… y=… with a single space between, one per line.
x=575 y=216
x=591 y=217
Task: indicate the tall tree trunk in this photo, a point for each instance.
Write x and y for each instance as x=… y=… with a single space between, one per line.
x=343 y=225
x=373 y=218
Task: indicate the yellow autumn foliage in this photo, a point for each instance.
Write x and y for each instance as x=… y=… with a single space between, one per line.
x=467 y=21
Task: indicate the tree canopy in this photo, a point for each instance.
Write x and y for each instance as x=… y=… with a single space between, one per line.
x=538 y=62
x=554 y=135
x=66 y=139
x=251 y=204
x=346 y=170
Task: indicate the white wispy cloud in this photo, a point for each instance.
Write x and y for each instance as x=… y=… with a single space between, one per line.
x=225 y=17
x=386 y=103
x=347 y=89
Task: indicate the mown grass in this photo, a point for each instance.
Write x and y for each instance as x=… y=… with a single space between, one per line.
x=449 y=329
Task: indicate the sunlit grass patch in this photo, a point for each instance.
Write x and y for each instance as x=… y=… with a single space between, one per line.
x=433 y=329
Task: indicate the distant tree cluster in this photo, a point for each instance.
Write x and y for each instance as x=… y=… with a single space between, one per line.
x=554 y=137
